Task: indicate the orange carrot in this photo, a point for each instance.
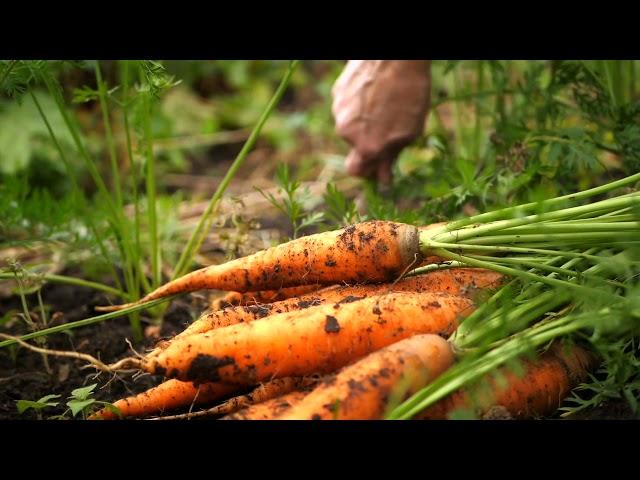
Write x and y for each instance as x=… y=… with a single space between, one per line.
x=269 y=409
x=317 y=340
x=266 y=391
x=232 y=299
x=166 y=396
x=456 y=281
x=363 y=390
x=372 y=251
x=546 y=382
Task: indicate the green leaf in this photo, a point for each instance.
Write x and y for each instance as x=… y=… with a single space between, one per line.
x=631 y=399
x=85 y=94
x=78 y=406
x=83 y=393
x=44 y=402
x=47 y=398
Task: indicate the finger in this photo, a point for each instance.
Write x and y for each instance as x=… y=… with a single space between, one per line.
x=358 y=166
x=384 y=171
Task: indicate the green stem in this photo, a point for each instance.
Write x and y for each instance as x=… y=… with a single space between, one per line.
x=71 y=174
x=458 y=115
x=510 y=212
x=23 y=301
x=632 y=80
x=116 y=222
x=77 y=282
x=516 y=318
x=197 y=237
x=102 y=94
x=151 y=193
x=556 y=238
x=514 y=272
x=477 y=137
x=613 y=80
x=43 y=314
x=469 y=324
x=467 y=247
x=55 y=90
x=141 y=278
x=575 y=227
x=120 y=222
x=433 y=267
x=537 y=265
x=450 y=233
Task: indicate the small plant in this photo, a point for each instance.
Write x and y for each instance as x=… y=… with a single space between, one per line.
x=292 y=201
x=38 y=405
x=80 y=403
x=340 y=211
x=618 y=379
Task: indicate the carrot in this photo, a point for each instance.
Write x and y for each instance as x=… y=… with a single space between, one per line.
x=372 y=251
x=269 y=409
x=266 y=391
x=166 y=396
x=546 y=382
x=363 y=390
x=265 y=296
x=318 y=340
x=456 y=281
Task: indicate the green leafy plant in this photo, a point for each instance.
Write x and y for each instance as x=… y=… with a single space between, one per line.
x=80 y=402
x=292 y=201
x=340 y=211
x=617 y=379
x=37 y=405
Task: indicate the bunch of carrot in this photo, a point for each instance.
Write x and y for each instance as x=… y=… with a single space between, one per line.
x=336 y=307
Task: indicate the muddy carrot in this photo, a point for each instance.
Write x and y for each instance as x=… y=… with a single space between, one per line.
x=362 y=390
x=374 y=251
x=232 y=299
x=266 y=391
x=269 y=409
x=456 y=281
x=317 y=340
x=546 y=382
x=167 y=396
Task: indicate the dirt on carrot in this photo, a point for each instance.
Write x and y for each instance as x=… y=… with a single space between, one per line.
x=318 y=340
x=457 y=281
x=373 y=251
x=269 y=409
x=233 y=299
x=167 y=396
x=362 y=391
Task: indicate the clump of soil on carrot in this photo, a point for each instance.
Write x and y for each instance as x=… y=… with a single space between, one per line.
x=25 y=376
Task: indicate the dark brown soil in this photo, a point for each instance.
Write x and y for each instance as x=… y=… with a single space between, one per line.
x=23 y=374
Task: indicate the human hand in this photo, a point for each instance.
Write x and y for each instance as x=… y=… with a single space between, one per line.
x=380 y=107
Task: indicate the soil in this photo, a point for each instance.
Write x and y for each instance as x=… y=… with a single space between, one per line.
x=23 y=374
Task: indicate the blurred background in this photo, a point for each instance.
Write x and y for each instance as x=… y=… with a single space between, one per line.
x=498 y=133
